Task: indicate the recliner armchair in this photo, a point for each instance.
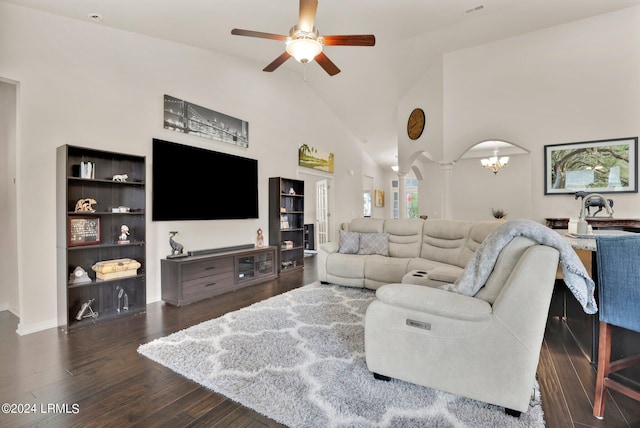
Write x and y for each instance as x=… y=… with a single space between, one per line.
x=484 y=347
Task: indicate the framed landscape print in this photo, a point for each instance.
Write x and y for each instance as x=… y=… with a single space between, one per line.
x=310 y=157
x=378 y=198
x=604 y=166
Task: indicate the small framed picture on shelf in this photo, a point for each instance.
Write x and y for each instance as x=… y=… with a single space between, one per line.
x=83 y=230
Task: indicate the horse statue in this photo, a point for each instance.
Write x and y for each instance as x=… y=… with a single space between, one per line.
x=594 y=201
x=176 y=248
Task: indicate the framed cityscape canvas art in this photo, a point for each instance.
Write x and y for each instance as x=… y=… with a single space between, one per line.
x=189 y=118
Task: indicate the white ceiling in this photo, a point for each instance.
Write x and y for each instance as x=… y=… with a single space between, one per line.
x=410 y=34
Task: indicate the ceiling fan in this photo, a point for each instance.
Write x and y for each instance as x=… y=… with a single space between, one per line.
x=305 y=44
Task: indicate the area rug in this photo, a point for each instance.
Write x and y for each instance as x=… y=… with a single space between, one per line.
x=298 y=358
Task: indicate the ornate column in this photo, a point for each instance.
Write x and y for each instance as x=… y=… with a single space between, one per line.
x=447 y=173
x=402 y=195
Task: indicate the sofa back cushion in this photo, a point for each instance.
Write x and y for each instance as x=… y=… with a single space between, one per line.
x=479 y=231
x=367 y=225
x=405 y=237
x=445 y=240
x=507 y=260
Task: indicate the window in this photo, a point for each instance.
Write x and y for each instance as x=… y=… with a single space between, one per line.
x=411 y=195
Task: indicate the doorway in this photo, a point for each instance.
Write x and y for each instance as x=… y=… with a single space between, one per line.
x=9 y=286
x=317 y=206
x=322 y=212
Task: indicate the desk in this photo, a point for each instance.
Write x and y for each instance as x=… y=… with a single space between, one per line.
x=585 y=327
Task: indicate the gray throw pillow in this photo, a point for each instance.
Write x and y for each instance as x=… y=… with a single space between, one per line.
x=349 y=242
x=374 y=243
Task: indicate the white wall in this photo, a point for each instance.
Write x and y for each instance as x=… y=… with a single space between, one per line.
x=88 y=85
x=570 y=83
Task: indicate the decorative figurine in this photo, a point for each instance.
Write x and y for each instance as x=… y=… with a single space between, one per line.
x=176 y=248
x=594 y=200
x=82 y=313
x=120 y=178
x=122 y=294
x=85 y=205
x=260 y=239
x=124 y=234
x=291 y=191
x=79 y=276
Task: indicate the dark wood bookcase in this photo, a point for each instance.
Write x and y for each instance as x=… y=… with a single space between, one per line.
x=286 y=221
x=85 y=238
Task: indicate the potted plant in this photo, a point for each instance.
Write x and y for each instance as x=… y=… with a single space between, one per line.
x=499 y=213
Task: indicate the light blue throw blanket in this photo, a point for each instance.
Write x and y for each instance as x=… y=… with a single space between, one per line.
x=479 y=269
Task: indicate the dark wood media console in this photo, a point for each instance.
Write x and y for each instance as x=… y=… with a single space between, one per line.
x=190 y=279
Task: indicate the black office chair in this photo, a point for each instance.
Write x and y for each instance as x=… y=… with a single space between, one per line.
x=618 y=265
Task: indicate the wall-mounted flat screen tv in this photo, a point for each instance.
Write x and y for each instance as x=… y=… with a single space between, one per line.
x=190 y=183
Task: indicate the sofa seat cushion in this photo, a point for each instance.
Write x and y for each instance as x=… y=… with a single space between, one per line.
x=424 y=264
x=385 y=269
x=346 y=265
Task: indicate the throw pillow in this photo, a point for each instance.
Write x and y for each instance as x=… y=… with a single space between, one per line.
x=374 y=243
x=349 y=242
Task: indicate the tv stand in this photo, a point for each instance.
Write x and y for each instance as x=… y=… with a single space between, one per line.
x=221 y=250
x=198 y=277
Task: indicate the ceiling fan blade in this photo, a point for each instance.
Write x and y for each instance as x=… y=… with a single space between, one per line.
x=353 y=40
x=307 y=17
x=277 y=62
x=259 y=34
x=327 y=64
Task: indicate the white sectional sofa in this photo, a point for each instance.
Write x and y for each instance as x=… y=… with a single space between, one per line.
x=423 y=252
x=484 y=346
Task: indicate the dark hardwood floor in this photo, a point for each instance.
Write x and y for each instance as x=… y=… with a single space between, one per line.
x=97 y=378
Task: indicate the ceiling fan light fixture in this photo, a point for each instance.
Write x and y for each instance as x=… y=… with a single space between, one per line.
x=303 y=45
x=303 y=50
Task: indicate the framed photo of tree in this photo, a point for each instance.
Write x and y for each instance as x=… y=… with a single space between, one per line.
x=605 y=166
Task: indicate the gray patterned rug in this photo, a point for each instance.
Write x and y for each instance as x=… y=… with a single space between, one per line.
x=298 y=358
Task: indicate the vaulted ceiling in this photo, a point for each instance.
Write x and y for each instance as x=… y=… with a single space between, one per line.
x=410 y=35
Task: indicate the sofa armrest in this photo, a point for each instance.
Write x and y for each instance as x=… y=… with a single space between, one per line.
x=330 y=247
x=324 y=250
x=445 y=274
x=434 y=301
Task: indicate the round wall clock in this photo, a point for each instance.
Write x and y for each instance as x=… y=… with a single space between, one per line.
x=416 y=123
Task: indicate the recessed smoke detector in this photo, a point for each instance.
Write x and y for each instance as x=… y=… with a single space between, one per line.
x=474 y=9
x=95 y=17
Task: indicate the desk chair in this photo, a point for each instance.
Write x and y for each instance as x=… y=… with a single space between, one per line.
x=618 y=266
